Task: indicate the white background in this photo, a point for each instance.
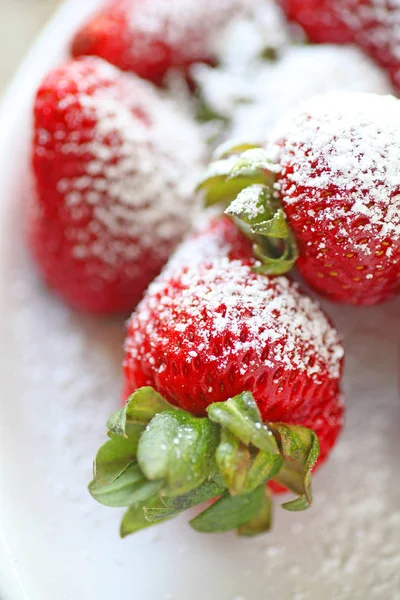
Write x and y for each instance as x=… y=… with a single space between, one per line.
x=20 y=21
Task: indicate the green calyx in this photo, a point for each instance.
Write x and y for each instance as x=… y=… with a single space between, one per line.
x=161 y=461
x=241 y=178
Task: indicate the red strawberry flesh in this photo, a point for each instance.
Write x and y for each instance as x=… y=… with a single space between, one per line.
x=150 y=37
x=113 y=162
x=210 y=328
x=339 y=184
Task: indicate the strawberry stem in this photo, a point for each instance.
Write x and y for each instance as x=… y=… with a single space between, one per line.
x=161 y=460
x=242 y=178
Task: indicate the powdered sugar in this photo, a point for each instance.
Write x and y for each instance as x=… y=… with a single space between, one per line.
x=198 y=248
x=230 y=294
x=347 y=142
x=248 y=200
x=256 y=93
x=139 y=179
x=247 y=37
x=183 y=24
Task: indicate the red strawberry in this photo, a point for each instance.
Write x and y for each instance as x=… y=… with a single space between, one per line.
x=372 y=24
x=113 y=162
x=340 y=187
x=318 y=19
x=338 y=182
x=212 y=328
x=209 y=329
x=149 y=37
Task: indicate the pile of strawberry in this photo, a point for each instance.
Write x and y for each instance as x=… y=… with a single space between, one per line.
x=232 y=372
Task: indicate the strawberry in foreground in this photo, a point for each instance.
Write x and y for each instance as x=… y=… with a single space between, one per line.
x=374 y=25
x=113 y=162
x=235 y=381
x=325 y=194
x=150 y=37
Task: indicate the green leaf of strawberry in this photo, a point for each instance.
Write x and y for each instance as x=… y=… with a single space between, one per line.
x=264 y=467
x=161 y=461
x=253 y=205
x=240 y=415
x=230 y=512
x=230 y=148
x=171 y=507
x=242 y=179
x=134 y=519
x=253 y=163
x=159 y=508
x=139 y=409
x=243 y=429
x=276 y=227
x=299 y=448
x=130 y=487
x=233 y=461
x=115 y=456
x=178 y=449
x=275 y=259
x=220 y=187
x=262 y=521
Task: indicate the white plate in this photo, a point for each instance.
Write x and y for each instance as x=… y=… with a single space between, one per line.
x=60 y=378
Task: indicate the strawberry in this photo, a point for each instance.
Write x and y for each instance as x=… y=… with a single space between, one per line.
x=319 y=20
x=113 y=161
x=258 y=364
x=374 y=25
x=150 y=37
x=336 y=196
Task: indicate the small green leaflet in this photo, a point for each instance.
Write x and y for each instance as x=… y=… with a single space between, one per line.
x=134 y=519
x=242 y=178
x=240 y=416
x=140 y=408
x=173 y=506
x=179 y=449
x=233 y=461
x=130 y=487
x=230 y=512
x=262 y=521
x=244 y=469
x=299 y=448
x=160 y=508
x=114 y=457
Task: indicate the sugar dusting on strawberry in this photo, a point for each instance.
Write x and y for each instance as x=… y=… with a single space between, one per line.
x=375 y=25
x=340 y=186
x=175 y=20
x=150 y=37
x=207 y=331
x=114 y=162
x=222 y=296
